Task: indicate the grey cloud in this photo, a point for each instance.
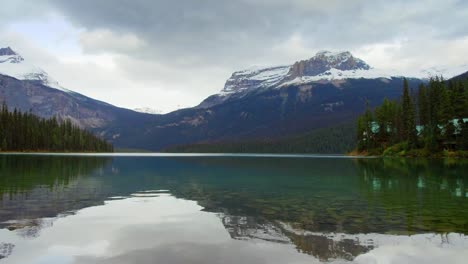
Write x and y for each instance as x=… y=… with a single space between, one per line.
x=192 y=30
x=19 y=10
x=207 y=30
x=187 y=32
x=192 y=46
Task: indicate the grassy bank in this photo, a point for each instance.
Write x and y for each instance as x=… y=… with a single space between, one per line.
x=402 y=150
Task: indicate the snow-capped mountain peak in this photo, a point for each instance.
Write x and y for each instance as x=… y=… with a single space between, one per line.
x=7 y=52
x=254 y=78
x=14 y=65
x=321 y=66
x=325 y=61
x=7 y=55
x=324 y=66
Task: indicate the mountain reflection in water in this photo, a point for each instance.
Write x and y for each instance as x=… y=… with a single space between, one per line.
x=226 y=209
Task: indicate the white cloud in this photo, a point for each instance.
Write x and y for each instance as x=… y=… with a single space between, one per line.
x=104 y=40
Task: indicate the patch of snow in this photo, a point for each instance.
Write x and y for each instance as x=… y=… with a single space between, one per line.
x=254 y=78
x=444 y=71
x=335 y=74
x=271 y=75
x=16 y=67
x=332 y=57
x=373 y=73
x=242 y=82
x=148 y=110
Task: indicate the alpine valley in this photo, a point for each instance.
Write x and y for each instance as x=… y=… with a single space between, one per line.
x=271 y=104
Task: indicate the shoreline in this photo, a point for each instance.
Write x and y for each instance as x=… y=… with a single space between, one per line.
x=415 y=153
x=352 y=154
x=166 y=154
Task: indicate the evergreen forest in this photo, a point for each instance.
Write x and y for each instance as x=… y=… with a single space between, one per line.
x=27 y=132
x=429 y=121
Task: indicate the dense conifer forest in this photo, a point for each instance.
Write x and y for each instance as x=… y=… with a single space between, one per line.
x=332 y=140
x=26 y=132
x=431 y=121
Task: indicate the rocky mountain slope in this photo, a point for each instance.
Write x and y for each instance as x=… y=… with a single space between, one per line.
x=326 y=90
x=29 y=88
x=325 y=66
x=14 y=65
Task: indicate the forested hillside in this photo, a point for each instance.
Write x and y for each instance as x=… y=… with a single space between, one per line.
x=335 y=140
x=432 y=120
x=27 y=132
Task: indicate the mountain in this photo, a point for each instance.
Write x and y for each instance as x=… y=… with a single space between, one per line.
x=265 y=104
x=324 y=67
x=14 y=65
x=463 y=76
x=257 y=104
x=274 y=103
x=324 y=63
x=29 y=88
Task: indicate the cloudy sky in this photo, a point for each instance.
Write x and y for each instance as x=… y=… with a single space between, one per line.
x=169 y=54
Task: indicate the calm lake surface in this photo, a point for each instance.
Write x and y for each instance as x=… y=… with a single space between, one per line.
x=232 y=209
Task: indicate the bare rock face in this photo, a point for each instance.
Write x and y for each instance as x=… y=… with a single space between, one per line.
x=324 y=61
x=255 y=78
x=246 y=81
x=7 y=51
x=48 y=102
x=9 y=56
x=29 y=88
x=242 y=82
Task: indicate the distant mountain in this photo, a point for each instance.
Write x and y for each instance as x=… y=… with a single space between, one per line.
x=325 y=63
x=325 y=66
x=268 y=114
x=266 y=104
x=29 y=88
x=271 y=103
x=14 y=65
x=46 y=102
x=463 y=76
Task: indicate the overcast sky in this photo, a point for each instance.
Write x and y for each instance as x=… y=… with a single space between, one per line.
x=168 y=54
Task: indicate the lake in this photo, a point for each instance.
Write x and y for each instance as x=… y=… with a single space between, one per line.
x=158 y=208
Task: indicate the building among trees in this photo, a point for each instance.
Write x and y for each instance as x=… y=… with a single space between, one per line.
x=433 y=119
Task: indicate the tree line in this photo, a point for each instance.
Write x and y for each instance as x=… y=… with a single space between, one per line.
x=330 y=140
x=27 y=132
x=433 y=119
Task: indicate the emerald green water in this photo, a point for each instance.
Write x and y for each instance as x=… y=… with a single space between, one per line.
x=298 y=201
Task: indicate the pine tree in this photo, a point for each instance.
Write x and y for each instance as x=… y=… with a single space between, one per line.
x=366 y=138
x=460 y=101
x=27 y=132
x=423 y=106
x=408 y=116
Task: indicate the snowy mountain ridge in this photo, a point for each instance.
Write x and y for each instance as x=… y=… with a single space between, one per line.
x=14 y=65
x=255 y=78
x=324 y=66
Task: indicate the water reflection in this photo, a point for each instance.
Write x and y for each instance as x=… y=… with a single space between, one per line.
x=171 y=230
x=321 y=207
x=423 y=195
x=163 y=228
x=33 y=187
